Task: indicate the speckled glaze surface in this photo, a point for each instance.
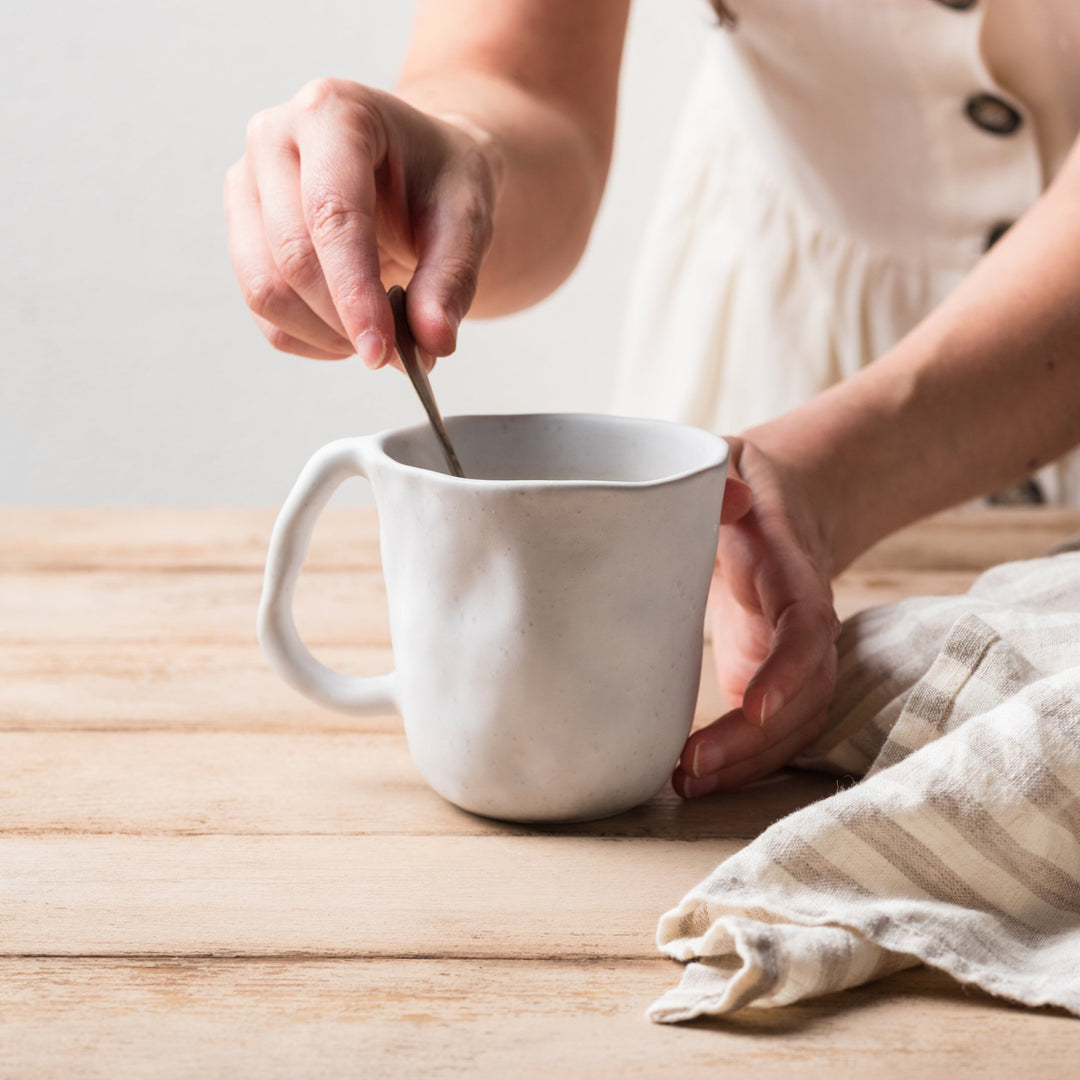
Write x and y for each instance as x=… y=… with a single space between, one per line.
x=546 y=612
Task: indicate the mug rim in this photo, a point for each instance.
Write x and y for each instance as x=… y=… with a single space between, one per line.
x=719 y=458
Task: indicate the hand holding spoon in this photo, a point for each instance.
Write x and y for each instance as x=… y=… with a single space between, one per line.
x=414 y=368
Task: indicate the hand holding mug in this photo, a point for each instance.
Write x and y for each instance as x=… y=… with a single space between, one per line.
x=546 y=611
x=774 y=628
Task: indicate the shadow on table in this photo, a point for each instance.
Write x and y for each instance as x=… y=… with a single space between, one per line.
x=931 y=990
x=730 y=815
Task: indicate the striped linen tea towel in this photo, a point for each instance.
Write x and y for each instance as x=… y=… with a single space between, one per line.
x=959 y=847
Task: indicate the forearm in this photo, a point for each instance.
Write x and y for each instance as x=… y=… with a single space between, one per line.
x=537 y=84
x=983 y=392
x=549 y=182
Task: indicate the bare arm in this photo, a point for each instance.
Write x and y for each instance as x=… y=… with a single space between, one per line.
x=981 y=393
x=540 y=79
x=481 y=178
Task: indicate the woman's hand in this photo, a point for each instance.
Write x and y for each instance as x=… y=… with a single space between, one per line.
x=774 y=628
x=344 y=191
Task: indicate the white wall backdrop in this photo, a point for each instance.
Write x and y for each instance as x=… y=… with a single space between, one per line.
x=132 y=373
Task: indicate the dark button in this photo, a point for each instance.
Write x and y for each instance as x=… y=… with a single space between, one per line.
x=1026 y=493
x=958 y=5
x=996 y=233
x=992 y=114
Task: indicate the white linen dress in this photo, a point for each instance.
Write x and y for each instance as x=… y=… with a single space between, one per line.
x=839 y=168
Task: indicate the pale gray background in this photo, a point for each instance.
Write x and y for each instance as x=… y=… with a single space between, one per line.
x=133 y=373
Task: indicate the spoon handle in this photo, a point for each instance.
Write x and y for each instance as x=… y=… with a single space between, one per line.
x=410 y=359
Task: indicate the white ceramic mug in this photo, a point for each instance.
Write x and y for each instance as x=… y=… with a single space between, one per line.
x=546 y=612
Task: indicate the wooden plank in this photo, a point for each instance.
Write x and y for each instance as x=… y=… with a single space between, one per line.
x=103 y=1019
x=341 y=784
x=114 y=606
x=974 y=538
x=174 y=538
x=508 y=896
x=154 y=686
x=177 y=538
x=224 y=687
x=332 y=608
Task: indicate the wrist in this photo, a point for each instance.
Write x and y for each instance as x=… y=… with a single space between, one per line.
x=849 y=455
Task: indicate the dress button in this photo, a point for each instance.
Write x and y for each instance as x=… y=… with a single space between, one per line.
x=996 y=233
x=958 y=5
x=1027 y=492
x=992 y=114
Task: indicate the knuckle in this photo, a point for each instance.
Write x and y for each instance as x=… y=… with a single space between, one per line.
x=460 y=275
x=366 y=124
x=277 y=337
x=352 y=294
x=355 y=106
x=328 y=91
x=318 y=92
x=267 y=296
x=260 y=127
x=817 y=613
x=297 y=260
x=329 y=215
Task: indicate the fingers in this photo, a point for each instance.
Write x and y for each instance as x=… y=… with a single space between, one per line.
x=343 y=191
x=772 y=756
x=340 y=143
x=275 y=167
x=279 y=312
x=738 y=501
x=453 y=235
x=736 y=736
x=803 y=647
x=285 y=342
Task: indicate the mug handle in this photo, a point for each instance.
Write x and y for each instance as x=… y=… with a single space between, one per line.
x=280 y=641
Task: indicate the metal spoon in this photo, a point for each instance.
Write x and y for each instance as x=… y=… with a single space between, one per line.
x=414 y=368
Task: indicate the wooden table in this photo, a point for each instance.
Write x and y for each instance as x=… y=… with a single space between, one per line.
x=203 y=874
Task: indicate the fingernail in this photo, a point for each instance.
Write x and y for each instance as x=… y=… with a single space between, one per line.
x=691 y=788
x=770 y=706
x=707 y=758
x=452 y=324
x=371 y=348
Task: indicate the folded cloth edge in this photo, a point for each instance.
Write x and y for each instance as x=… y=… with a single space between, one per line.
x=672 y=937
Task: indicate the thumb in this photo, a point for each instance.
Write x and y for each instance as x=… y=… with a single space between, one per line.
x=738 y=500
x=452 y=239
x=738 y=495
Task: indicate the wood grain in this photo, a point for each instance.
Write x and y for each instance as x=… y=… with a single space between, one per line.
x=86 y=606
x=223 y=686
x=333 y=608
x=415 y=896
x=145 y=686
x=279 y=1019
x=974 y=538
x=174 y=540
x=343 y=784
x=228 y=538
x=201 y=873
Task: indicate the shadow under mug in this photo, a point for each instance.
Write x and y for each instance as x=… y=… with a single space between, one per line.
x=546 y=612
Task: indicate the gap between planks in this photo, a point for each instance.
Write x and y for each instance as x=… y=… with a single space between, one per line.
x=332 y=609
x=319 y=895
x=229 y=538
x=340 y=784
